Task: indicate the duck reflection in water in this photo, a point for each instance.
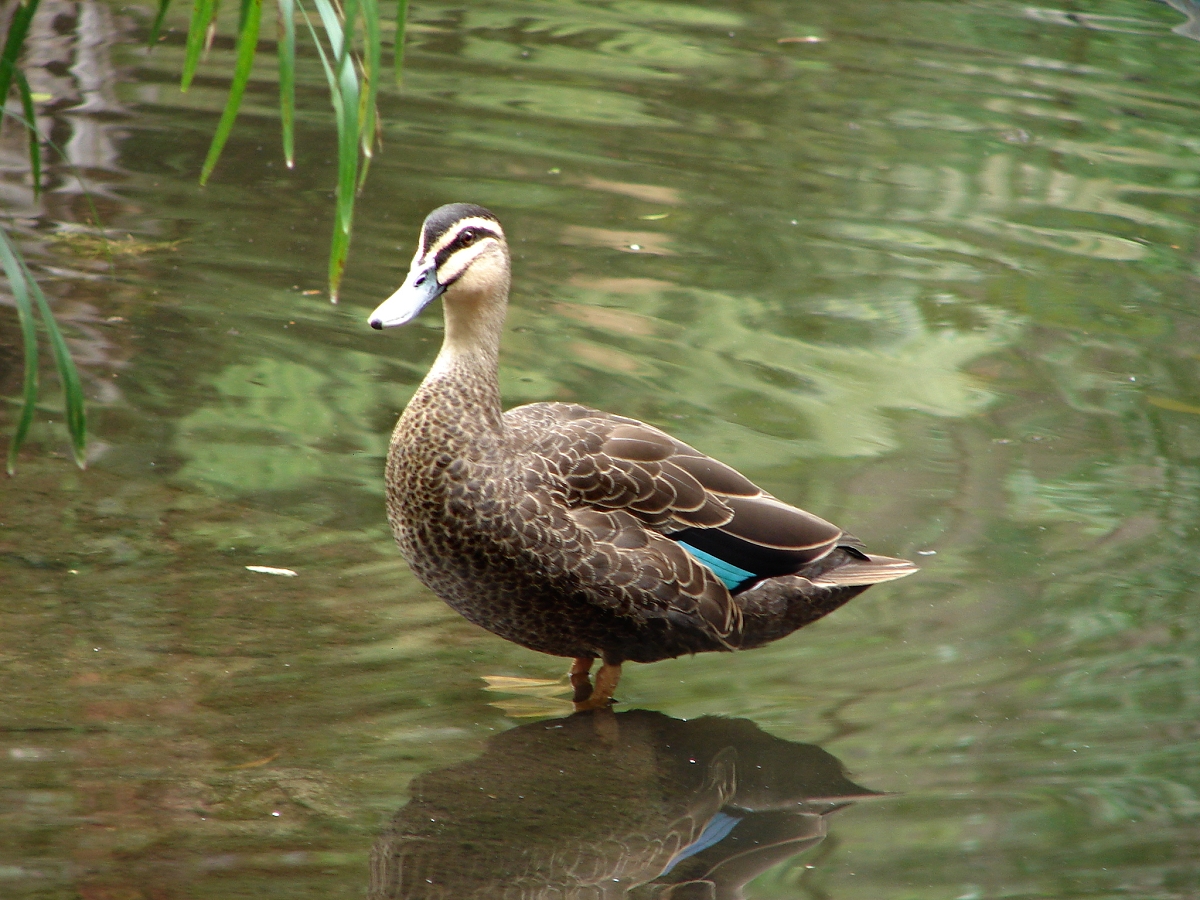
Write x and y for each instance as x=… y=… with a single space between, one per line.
x=604 y=805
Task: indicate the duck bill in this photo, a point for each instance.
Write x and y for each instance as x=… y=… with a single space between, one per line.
x=420 y=288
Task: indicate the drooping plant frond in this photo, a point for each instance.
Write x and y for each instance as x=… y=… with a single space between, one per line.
x=351 y=57
x=352 y=61
x=27 y=295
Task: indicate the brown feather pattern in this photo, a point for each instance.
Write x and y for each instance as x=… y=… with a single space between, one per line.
x=551 y=524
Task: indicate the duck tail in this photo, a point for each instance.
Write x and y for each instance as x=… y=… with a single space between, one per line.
x=866 y=571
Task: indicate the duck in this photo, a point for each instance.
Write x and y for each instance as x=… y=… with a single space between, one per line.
x=576 y=532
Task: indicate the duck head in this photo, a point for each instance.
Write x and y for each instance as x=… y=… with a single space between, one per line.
x=462 y=256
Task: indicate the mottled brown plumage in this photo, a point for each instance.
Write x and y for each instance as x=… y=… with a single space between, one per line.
x=611 y=805
x=576 y=532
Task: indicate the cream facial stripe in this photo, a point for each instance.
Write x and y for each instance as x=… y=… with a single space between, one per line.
x=453 y=255
x=476 y=223
x=459 y=261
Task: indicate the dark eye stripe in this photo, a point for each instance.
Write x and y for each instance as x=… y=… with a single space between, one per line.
x=444 y=218
x=464 y=238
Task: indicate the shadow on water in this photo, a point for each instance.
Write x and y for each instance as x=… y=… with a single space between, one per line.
x=635 y=804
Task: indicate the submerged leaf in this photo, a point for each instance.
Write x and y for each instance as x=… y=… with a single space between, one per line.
x=1172 y=404
x=513 y=684
x=533 y=708
x=35 y=150
x=67 y=373
x=25 y=286
x=272 y=570
x=18 y=27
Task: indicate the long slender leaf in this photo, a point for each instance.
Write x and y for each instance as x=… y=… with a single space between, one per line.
x=156 y=28
x=350 y=14
x=243 y=11
x=332 y=82
x=398 y=44
x=211 y=33
x=339 y=250
x=347 y=176
x=203 y=13
x=349 y=22
x=247 y=45
x=333 y=28
x=17 y=29
x=344 y=89
x=347 y=145
x=340 y=244
x=23 y=285
x=364 y=166
x=372 y=60
x=35 y=147
x=9 y=255
x=334 y=95
x=67 y=373
x=287 y=78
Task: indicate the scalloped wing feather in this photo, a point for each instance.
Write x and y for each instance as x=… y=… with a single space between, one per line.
x=632 y=488
x=613 y=462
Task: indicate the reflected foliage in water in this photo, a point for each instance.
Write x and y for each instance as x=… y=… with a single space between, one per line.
x=635 y=804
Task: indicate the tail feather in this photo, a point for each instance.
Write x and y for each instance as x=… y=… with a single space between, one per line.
x=872 y=570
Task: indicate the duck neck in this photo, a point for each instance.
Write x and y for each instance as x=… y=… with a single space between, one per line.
x=465 y=375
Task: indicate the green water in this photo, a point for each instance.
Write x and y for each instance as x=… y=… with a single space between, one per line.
x=930 y=270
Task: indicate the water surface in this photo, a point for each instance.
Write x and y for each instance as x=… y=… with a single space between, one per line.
x=927 y=269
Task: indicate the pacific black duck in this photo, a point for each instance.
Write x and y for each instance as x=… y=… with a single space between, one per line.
x=577 y=532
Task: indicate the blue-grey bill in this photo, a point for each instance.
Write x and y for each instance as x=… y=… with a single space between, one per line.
x=420 y=288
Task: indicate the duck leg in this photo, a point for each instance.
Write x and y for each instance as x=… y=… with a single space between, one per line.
x=581 y=680
x=606 y=683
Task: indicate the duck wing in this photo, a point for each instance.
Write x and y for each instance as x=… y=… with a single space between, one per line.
x=606 y=463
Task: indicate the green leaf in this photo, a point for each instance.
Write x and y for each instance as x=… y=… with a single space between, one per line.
x=398 y=44
x=247 y=45
x=344 y=91
x=321 y=51
x=364 y=166
x=339 y=251
x=340 y=244
x=9 y=255
x=349 y=19
x=18 y=27
x=287 y=78
x=35 y=148
x=372 y=62
x=24 y=285
x=203 y=13
x=156 y=28
x=211 y=33
x=243 y=11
